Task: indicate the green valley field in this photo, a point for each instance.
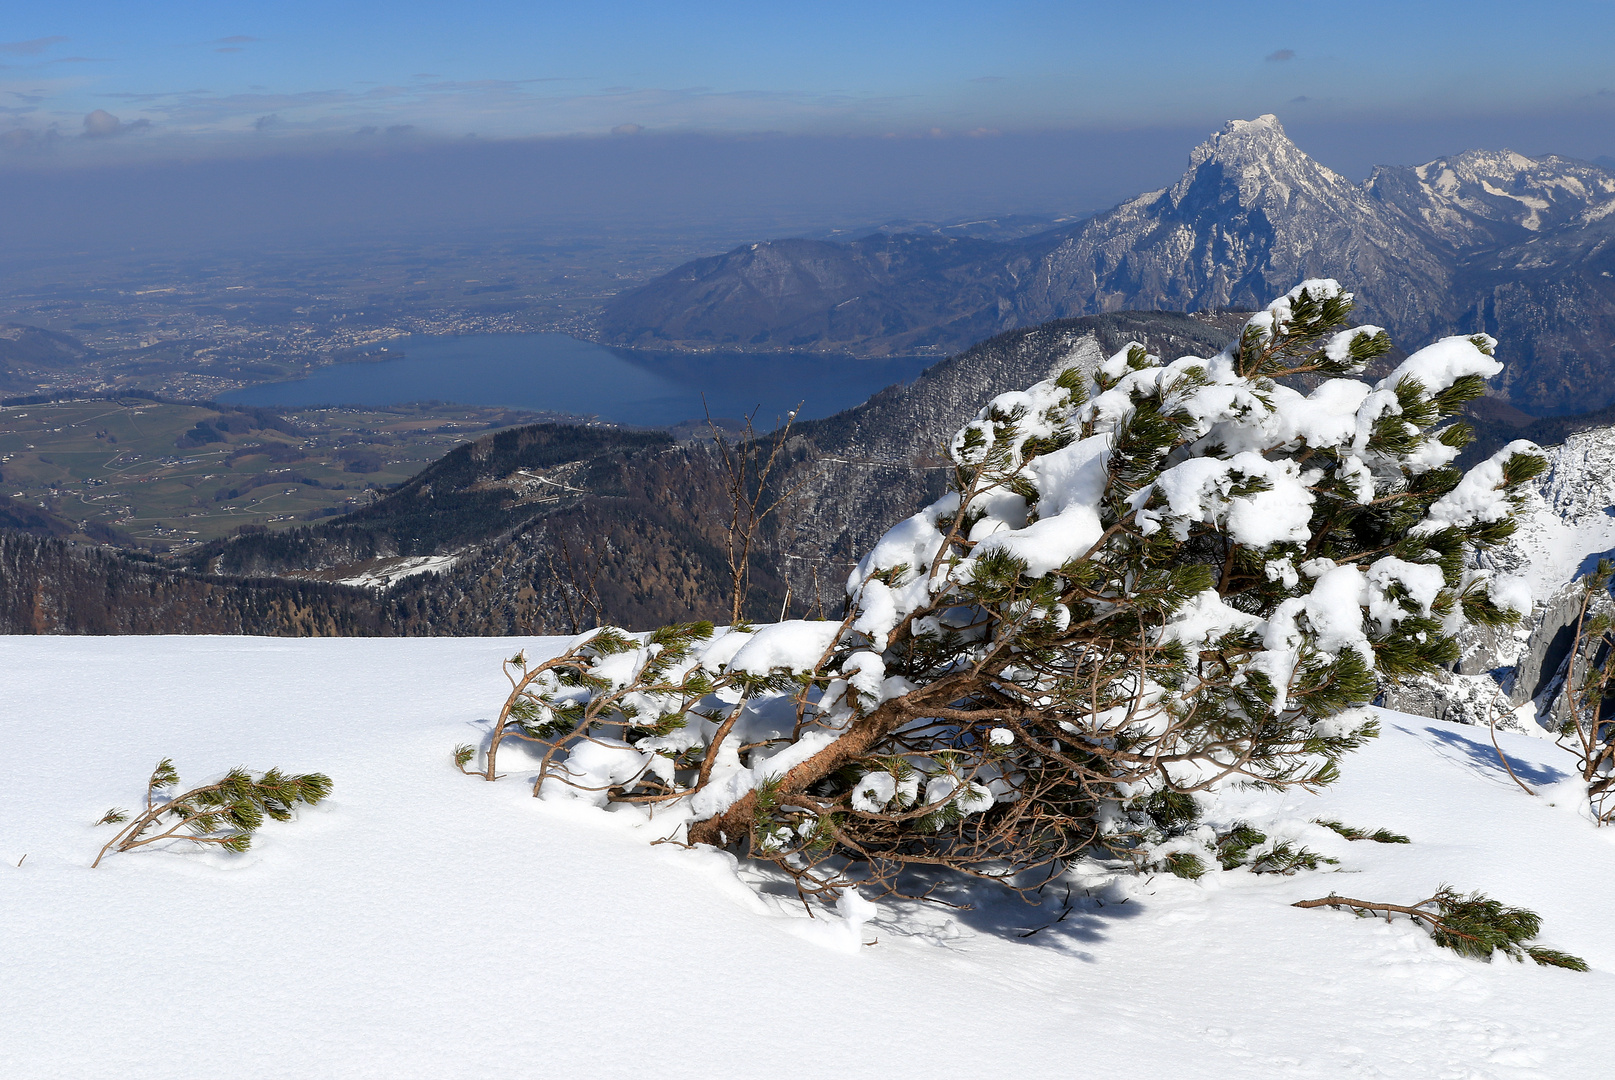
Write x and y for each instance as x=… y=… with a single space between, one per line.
x=176 y=474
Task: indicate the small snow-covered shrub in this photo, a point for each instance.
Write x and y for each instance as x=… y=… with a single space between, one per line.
x=1475 y=926
x=1145 y=583
x=224 y=814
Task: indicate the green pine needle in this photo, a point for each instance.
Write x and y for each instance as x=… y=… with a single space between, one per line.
x=1475 y=925
x=1184 y=864
x=1555 y=958
x=164 y=775
x=1350 y=832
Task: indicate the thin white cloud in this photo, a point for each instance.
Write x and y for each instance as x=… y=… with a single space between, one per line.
x=29 y=140
x=101 y=124
x=32 y=47
x=501 y=108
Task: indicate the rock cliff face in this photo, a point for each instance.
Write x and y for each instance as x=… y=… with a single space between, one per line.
x=1522 y=248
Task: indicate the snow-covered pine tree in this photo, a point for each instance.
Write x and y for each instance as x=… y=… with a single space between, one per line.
x=1144 y=583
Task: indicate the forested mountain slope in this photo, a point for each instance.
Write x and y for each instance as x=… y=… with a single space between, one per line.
x=550 y=526
x=475 y=492
x=53 y=586
x=30 y=355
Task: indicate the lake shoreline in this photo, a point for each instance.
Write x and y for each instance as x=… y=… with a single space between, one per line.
x=560 y=374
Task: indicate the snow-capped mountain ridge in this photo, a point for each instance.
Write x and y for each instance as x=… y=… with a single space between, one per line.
x=1521 y=248
x=1485 y=197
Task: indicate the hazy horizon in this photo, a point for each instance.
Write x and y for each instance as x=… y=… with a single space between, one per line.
x=716 y=189
x=207 y=126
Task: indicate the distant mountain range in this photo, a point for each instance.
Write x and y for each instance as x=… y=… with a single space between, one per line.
x=1518 y=247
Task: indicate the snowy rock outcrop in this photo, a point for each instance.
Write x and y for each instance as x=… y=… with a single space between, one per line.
x=1567 y=523
x=1569 y=519
x=1457 y=699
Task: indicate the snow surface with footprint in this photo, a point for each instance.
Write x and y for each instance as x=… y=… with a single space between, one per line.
x=421 y=923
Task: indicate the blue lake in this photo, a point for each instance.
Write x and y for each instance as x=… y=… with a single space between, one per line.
x=559 y=373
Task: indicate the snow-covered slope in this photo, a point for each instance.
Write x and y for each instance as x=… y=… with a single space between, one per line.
x=384 y=573
x=425 y=924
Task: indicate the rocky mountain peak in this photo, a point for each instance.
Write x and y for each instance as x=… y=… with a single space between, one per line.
x=1243 y=142
x=1261 y=156
x=1520 y=247
x=1252 y=213
x=1254 y=167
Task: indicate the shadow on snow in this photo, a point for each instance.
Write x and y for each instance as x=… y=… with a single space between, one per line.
x=1482 y=757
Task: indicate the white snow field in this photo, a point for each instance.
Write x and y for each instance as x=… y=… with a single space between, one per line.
x=421 y=923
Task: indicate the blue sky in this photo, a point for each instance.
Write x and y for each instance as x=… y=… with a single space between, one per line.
x=183 y=74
